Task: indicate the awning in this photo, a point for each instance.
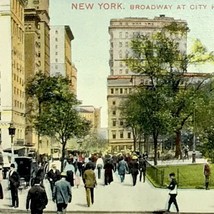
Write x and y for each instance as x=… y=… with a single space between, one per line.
x=17 y=148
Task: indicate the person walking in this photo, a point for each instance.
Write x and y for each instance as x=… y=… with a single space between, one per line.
x=134 y=166
x=14 y=182
x=53 y=175
x=122 y=168
x=62 y=194
x=108 y=173
x=173 y=192
x=99 y=166
x=90 y=182
x=36 y=198
x=207 y=173
x=142 y=168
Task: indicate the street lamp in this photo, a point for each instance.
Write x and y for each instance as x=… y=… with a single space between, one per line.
x=12 y=131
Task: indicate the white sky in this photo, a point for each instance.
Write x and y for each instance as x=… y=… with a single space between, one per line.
x=90 y=47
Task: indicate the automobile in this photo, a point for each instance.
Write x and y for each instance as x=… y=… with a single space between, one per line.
x=5 y=163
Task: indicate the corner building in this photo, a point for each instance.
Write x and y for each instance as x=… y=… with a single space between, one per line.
x=12 y=72
x=122 y=80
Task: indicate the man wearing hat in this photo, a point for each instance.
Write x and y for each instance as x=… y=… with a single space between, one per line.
x=62 y=194
x=14 y=183
x=53 y=175
x=134 y=166
x=172 y=191
x=37 y=198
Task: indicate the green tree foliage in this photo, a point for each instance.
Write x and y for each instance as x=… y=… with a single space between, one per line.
x=162 y=57
x=94 y=143
x=57 y=115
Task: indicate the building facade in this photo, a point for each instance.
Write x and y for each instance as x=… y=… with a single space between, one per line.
x=120 y=82
x=93 y=115
x=12 y=71
x=61 y=54
x=37 y=57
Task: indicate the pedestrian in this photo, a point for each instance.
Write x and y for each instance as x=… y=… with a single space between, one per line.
x=62 y=194
x=70 y=170
x=142 y=168
x=207 y=173
x=53 y=175
x=173 y=186
x=1 y=189
x=14 y=182
x=37 y=198
x=90 y=182
x=122 y=168
x=99 y=166
x=108 y=173
x=133 y=167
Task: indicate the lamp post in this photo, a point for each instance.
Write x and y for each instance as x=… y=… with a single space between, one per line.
x=12 y=131
x=193 y=145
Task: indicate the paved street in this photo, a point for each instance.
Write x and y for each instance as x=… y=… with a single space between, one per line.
x=124 y=198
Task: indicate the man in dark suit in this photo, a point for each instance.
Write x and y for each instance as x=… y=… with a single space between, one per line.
x=53 y=176
x=14 y=182
x=37 y=198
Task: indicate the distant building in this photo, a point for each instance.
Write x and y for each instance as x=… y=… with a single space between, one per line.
x=122 y=80
x=93 y=115
x=61 y=54
x=12 y=71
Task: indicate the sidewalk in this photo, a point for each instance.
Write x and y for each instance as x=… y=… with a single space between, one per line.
x=122 y=198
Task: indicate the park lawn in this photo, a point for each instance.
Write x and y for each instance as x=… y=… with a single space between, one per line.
x=188 y=176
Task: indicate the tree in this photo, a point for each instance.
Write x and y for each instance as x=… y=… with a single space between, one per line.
x=162 y=58
x=57 y=116
x=149 y=115
x=94 y=143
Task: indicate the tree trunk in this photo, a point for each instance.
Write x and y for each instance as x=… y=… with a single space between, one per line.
x=178 y=144
x=63 y=156
x=155 y=138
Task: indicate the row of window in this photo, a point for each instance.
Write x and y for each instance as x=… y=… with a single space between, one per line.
x=114 y=123
x=18 y=92
x=121 y=135
x=17 y=31
x=120 y=91
x=18 y=104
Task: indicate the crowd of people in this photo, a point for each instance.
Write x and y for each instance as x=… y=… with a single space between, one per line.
x=77 y=169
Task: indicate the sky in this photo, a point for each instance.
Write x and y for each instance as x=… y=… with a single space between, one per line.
x=90 y=47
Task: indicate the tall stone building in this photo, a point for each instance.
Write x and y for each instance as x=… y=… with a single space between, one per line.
x=61 y=54
x=122 y=80
x=12 y=72
x=37 y=56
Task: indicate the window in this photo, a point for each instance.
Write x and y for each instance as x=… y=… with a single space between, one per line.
x=114 y=123
x=56 y=32
x=56 y=60
x=121 y=122
x=112 y=91
x=113 y=102
x=114 y=135
x=120 y=44
x=127 y=35
x=129 y=135
x=56 y=39
x=121 y=134
x=120 y=35
x=114 y=112
x=121 y=90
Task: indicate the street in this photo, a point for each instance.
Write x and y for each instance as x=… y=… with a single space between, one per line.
x=124 y=198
